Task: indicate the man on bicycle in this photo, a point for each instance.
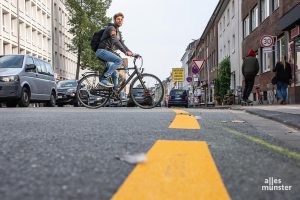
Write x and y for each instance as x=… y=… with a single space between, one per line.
x=111 y=40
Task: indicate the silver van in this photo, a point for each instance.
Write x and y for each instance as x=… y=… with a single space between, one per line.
x=25 y=79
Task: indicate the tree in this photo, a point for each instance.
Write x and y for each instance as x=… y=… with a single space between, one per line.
x=223 y=78
x=85 y=18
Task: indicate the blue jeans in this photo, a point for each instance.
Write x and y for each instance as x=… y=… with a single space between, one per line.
x=282 y=90
x=113 y=62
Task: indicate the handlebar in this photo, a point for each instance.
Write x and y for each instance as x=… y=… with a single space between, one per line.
x=137 y=56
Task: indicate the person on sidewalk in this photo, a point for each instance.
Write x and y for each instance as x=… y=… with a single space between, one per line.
x=250 y=69
x=110 y=41
x=284 y=77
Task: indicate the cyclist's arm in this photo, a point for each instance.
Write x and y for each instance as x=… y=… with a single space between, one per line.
x=115 y=40
x=122 y=42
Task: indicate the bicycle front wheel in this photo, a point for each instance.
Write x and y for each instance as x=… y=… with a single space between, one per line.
x=90 y=93
x=146 y=91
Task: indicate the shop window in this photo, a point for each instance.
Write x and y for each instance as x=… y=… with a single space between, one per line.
x=267 y=61
x=297 y=53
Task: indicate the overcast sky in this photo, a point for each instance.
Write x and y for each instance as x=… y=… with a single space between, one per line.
x=160 y=30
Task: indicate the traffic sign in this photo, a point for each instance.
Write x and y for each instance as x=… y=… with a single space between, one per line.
x=189 y=79
x=199 y=63
x=178 y=74
x=195 y=70
x=267 y=41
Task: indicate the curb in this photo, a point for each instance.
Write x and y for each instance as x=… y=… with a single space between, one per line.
x=291 y=124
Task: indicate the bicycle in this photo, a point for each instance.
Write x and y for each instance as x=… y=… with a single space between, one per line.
x=92 y=95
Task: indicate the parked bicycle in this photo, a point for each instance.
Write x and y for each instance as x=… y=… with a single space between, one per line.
x=92 y=95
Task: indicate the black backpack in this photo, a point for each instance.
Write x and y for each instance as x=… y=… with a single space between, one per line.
x=96 y=39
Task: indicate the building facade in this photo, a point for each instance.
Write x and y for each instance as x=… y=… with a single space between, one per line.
x=230 y=33
x=25 y=28
x=64 y=61
x=38 y=28
x=262 y=17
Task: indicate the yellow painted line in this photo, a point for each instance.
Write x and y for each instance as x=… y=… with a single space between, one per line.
x=175 y=170
x=183 y=120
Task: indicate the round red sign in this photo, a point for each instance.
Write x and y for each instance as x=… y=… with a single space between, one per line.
x=267 y=41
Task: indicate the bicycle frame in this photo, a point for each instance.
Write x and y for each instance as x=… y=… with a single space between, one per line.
x=136 y=72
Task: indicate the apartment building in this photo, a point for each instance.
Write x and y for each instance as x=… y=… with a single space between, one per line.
x=262 y=17
x=207 y=48
x=64 y=61
x=229 y=42
x=38 y=28
x=25 y=28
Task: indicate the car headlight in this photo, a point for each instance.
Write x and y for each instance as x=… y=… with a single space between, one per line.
x=9 y=78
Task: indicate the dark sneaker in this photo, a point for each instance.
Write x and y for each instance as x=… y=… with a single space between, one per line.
x=105 y=83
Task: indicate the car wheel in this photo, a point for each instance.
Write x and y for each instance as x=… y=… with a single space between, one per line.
x=52 y=101
x=11 y=104
x=25 y=98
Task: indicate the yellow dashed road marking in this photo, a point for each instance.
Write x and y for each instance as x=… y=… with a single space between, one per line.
x=183 y=120
x=176 y=170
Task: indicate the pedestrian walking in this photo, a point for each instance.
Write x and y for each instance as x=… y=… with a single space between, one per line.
x=283 y=78
x=250 y=69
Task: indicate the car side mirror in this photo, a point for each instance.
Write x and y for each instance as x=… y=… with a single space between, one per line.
x=82 y=85
x=30 y=67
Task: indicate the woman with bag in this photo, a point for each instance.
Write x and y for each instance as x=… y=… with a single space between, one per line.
x=283 y=78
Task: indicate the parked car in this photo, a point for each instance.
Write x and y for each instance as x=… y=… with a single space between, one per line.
x=178 y=97
x=66 y=93
x=25 y=79
x=140 y=97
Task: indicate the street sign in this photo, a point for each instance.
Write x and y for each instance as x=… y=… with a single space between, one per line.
x=189 y=79
x=195 y=70
x=199 y=63
x=267 y=49
x=267 y=41
x=178 y=74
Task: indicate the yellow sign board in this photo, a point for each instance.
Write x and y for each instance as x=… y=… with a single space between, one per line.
x=178 y=74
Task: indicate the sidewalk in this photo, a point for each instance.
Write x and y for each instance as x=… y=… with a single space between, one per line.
x=286 y=114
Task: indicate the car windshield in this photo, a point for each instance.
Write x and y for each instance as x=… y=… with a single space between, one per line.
x=65 y=84
x=11 y=61
x=177 y=92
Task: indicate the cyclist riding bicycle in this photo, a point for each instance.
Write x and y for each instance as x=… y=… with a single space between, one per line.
x=110 y=41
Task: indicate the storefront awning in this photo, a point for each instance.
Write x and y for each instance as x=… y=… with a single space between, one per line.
x=290 y=18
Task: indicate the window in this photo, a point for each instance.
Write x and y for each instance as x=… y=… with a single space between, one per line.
x=229 y=47
x=224 y=22
x=254 y=18
x=11 y=61
x=228 y=17
x=246 y=27
x=265 y=9
x=233 y=43
x=29 y=61
x=275 y=4
x=233 y=8
x=267 y=61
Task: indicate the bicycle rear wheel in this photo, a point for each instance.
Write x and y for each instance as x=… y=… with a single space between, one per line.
x=146 y=91
x=90 y=93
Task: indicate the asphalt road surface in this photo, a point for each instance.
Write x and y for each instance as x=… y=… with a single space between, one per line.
x=73 y=153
